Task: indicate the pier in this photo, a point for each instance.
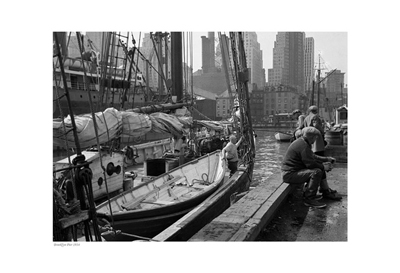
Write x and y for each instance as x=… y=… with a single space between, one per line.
x=245 y=219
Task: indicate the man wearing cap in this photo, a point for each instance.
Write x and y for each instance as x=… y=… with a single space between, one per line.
x=300 y=122
x=313 y=120
x=301 y=166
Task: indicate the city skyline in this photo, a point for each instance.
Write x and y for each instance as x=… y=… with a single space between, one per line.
x=331 y=45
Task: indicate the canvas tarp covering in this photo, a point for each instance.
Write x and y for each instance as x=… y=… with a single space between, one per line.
x=113 y=123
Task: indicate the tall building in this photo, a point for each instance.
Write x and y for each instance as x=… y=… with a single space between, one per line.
x=208 y=53
x=288 y=61
x=254 y=59
x=147 y=49
x=309 y=63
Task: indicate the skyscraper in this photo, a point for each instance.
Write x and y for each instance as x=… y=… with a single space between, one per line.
x=309 y=63
x=254 y=59
x=288 y=61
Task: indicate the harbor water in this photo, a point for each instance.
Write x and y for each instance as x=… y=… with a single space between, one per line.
x=269 y=155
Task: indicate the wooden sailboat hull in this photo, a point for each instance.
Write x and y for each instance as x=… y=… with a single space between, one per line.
x=162 y=201
x=184 y=228
x=150 y=225
x=284 y=137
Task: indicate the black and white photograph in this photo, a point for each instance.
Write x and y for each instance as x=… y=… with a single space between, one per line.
x=149 y=147
x=200 y=136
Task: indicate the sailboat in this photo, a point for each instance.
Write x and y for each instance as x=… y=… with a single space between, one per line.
x=159 y=199
x=238 y=184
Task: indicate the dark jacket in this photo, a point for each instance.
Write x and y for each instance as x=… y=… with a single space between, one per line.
x=319 y=144
x=299 y=156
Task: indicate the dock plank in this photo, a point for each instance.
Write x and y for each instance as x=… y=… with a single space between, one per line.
x=244 y=220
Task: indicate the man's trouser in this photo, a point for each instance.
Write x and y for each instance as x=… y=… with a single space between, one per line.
x=313 y=177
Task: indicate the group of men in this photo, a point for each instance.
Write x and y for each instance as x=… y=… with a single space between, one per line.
x=304 y=162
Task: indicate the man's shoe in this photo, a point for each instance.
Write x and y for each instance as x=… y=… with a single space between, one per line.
x=314 y=203
x=331 y=194
x=315 y=197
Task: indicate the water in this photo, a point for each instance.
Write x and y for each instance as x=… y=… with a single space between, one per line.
x=269 y=155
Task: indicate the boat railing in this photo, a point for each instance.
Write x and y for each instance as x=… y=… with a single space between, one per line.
x=73 y=84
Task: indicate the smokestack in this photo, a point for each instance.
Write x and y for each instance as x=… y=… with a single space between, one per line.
x=205 y=45
x=212 y=50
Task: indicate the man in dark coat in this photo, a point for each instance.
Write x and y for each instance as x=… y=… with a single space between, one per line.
x=300 y=165
x=314 y=120
x=296 y=114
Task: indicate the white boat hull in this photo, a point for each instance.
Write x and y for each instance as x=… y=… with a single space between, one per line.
x=284 y=137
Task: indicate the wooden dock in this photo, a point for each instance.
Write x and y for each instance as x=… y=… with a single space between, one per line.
x=244 y=220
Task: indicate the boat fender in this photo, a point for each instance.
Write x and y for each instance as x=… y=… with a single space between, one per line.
x=111 y=169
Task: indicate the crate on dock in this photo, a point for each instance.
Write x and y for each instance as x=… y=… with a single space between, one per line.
x=156 y=167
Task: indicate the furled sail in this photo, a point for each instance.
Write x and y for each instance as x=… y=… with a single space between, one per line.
x=113 y=123
x=109 y=123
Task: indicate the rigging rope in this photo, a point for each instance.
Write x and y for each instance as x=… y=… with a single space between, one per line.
x=158 y=59
x=64 y=127
x=98 y=144
x=137 y=60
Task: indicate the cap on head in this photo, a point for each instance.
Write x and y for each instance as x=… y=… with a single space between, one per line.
x=313 y=108
x=310 y=131
x=297 y=111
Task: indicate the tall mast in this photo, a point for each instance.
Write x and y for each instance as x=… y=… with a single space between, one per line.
x=176 y=65
x=318 y=79
x=223 y=43
x=71 y=113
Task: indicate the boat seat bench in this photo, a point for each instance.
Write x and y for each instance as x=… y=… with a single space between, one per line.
x=134 y=203
x=158 y=202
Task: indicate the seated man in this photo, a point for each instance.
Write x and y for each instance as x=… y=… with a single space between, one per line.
x=300 y=165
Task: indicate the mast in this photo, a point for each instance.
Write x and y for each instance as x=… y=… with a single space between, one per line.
x=242 y=78
x=318 y=79
x=312 y=93
x=225 y=64
x=71 y=113
x=82 y=186
x=176 y=65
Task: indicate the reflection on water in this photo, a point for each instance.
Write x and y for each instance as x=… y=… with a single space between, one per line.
x=269 y=155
